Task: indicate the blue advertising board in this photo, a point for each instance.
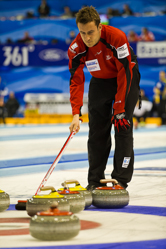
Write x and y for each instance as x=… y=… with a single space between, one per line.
x=148 y=53
x=151 y=53
x=33 y=55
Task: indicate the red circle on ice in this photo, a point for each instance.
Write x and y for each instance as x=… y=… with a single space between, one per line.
x=85 y=224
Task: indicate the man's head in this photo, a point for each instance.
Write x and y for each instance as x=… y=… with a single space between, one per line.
x=88 y=22
x=144 y=31
x=88 y=14
x=11 y=95
x=26 y=34
x=162 y=76
x=43 y=2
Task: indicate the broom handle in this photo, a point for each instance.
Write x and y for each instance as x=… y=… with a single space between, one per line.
x=55 y=161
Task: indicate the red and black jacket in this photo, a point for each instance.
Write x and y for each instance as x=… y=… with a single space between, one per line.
x=111 y=57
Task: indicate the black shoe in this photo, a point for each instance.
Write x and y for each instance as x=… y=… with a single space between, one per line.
x=123 y=185
x=91 y=187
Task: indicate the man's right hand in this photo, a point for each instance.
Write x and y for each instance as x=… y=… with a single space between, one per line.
x=75 y=124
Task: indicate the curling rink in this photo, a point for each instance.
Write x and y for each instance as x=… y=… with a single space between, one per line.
x=26 y=154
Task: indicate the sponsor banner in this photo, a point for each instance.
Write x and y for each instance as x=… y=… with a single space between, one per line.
x=122 y=51
x=92 y=65
x=20 y=55
x=33 y=55
x=126 y=162
x=150 y=53
x=151 y=49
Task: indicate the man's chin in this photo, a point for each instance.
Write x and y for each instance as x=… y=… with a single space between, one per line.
x=89 y=45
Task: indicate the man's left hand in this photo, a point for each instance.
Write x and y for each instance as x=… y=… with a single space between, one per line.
x=75 y=124
x=120 y=122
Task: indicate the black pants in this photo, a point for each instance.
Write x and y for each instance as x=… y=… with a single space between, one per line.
x=101 y=96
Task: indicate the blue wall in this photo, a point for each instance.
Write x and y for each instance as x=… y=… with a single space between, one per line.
x=16 y=7
x=49 y=29
x=156 y=24
x=39 y=29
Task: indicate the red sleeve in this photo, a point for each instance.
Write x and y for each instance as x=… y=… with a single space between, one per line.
x=124 y=76
x=77 y=79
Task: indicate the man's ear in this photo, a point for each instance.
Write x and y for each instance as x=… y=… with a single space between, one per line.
x=100 y=26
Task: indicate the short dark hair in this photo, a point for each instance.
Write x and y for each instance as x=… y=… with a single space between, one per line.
x=88 y=14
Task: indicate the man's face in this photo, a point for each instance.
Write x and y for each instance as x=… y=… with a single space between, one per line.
x=90 y=33
x=162 y=75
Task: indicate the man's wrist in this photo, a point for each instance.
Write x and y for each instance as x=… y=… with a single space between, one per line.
x=75 y=115
x=118 y=111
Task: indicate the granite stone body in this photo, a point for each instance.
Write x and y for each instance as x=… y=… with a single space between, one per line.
x=4 y=201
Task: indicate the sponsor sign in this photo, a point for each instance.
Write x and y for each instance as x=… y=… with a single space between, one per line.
x=92 y=65
x=21 y=55
x=74 y=46
x=52 y=54
x=151 y=49
x=126 y=162
x=122 y=51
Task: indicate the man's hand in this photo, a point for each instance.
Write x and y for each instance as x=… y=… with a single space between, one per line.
x=120 y=122
x=75 y=124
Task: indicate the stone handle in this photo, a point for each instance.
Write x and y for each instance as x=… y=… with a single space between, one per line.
x=65 y=184
x=45 y=188
x=109 y=180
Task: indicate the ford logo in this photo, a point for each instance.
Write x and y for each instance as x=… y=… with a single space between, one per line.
x=52 y=54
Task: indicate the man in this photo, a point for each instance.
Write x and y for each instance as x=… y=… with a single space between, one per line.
x=44 y=9
x=12 y=105
x=132 y=36
x=115 y=81
x=159 y=97
x=2 y=109
x=147 y=35
x=27 y=39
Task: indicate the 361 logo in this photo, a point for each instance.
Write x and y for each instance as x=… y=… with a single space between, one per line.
x=18 y=56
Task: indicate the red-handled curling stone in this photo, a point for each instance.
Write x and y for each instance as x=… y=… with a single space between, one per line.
x=87 y=194
x=110 y=197
x=75 y=199
x=21 y=205
x=4 y=200
x=40 y=203
x=54 y=224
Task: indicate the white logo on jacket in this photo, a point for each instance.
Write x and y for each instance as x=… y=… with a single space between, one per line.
x=108 y=57
x=119 y=101
x=74 y=46
x=99 y=52
x=122 y=51
x=72 y=51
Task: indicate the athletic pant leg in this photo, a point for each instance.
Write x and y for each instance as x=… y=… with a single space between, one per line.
x=124 y=154
x=99 y=142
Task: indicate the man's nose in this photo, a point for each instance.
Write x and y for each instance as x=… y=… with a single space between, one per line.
x=87 y=37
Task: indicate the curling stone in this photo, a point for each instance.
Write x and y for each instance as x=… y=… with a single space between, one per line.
x=76 y=200
x=42 y=202
x=4 y=201
x=21 y=205
x=110 y=197
x=54 y=224
x=87 y=194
